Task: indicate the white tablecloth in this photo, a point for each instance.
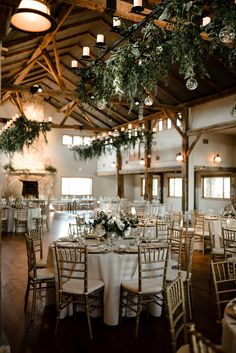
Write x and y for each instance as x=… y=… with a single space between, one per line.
x=112 y=268
x=229 y=332
x=32 y=214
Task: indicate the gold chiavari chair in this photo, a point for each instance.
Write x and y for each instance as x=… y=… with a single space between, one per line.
x=175 y=311
x=74 y=285
x=217 y=253
x=201 y=233
x=37 y=235
x=40 y=280
x=229 y=241
x=185 y=267
x=149 y=286
x=224 y=277
x=21 y=220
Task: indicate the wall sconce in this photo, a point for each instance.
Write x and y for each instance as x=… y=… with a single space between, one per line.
x=33 y=16
x=142 y=161
x=113 y=164
x=217 y=158
x=179 y=157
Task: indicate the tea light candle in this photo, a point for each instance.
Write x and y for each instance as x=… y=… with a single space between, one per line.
x=138 y=3
x=206 y=20
x=116 y=22
x=129 y=126
x=74 y=63
x=100 y=38
x=50 y=119
x=86 y=51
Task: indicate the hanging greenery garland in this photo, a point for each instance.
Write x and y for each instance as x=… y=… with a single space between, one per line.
x=23 y=133
x=135 y=69
x=126 y=139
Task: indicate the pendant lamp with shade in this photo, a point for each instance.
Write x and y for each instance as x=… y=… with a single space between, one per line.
x=33 y=16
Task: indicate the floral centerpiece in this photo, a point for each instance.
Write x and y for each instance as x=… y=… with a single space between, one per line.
x=228 y=211
x=121 y=225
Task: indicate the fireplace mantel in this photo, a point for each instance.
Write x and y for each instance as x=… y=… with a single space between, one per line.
x=26 y=172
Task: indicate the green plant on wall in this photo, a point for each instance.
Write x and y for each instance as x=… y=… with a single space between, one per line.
x=125 y=139
x=23 y=133
x=49 y=168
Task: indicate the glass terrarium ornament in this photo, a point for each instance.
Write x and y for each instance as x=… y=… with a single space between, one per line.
x=148 y=101
x=102 y=104
x=227 y=35
x=191 y=83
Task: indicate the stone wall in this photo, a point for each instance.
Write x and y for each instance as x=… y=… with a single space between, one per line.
x=13 y=183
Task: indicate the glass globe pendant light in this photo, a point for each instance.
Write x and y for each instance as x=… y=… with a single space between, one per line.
x=33 y=16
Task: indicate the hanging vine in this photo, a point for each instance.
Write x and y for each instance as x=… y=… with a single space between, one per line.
x=23 y=133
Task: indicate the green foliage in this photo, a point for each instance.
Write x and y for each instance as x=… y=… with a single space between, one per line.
x=136 y=68
x=23 y=133
x=9 y=167
x=106 y=145
x=49 y=168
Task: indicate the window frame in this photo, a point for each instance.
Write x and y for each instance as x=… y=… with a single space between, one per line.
x=215 y=176
x=80 y=194
x=168 y=183
x=142 y=186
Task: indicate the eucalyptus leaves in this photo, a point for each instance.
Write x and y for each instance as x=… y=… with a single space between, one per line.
x=135 y=69
x=125 y=139
x=23 y=133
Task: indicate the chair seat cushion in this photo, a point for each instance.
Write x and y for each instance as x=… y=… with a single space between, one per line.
x=41 y=263
x=173 y=274
x=218 y=251
x=76 y=286
x=149 y=286
x=184 y=349
x=44 y=273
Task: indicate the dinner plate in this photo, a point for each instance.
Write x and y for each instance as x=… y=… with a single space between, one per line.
x=125 y=249
x=231 y=310
x=97 y=249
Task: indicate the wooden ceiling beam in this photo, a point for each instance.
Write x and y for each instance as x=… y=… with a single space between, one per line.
x=46 y=92
x=52 y=69
x=38 y=52
x=212 y=128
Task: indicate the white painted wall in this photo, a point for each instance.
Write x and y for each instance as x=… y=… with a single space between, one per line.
x=166 y=145
x=217 y=111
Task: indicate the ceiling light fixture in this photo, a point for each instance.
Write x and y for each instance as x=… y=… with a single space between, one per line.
x=36 y=89
x=137 y=6
x=33 y=16
x=217 y=158
x=142 y=161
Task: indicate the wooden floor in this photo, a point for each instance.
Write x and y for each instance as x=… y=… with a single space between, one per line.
x=72 y=334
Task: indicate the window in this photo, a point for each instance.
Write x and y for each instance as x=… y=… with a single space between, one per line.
x=175 y=187
x=216 y=187
x=76 y=186
x=155 y=186
x=67 y=140
x=168 y=124
x=160 y=125
x=76 y=140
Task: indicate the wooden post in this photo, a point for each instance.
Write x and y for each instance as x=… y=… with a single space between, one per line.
x=185 y=164
x=119 y=177
x=148 y=175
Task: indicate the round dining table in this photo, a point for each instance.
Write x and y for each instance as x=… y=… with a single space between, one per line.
x=229 y=328
x=112 y=265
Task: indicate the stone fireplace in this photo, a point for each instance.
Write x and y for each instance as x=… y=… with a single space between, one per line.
x=30 y=184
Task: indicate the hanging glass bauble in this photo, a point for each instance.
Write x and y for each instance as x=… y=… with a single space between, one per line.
x=148 y=101
x=116 y=133
x=191 y=83
x=101 y=104
x=227 y=35
x=159 y=49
